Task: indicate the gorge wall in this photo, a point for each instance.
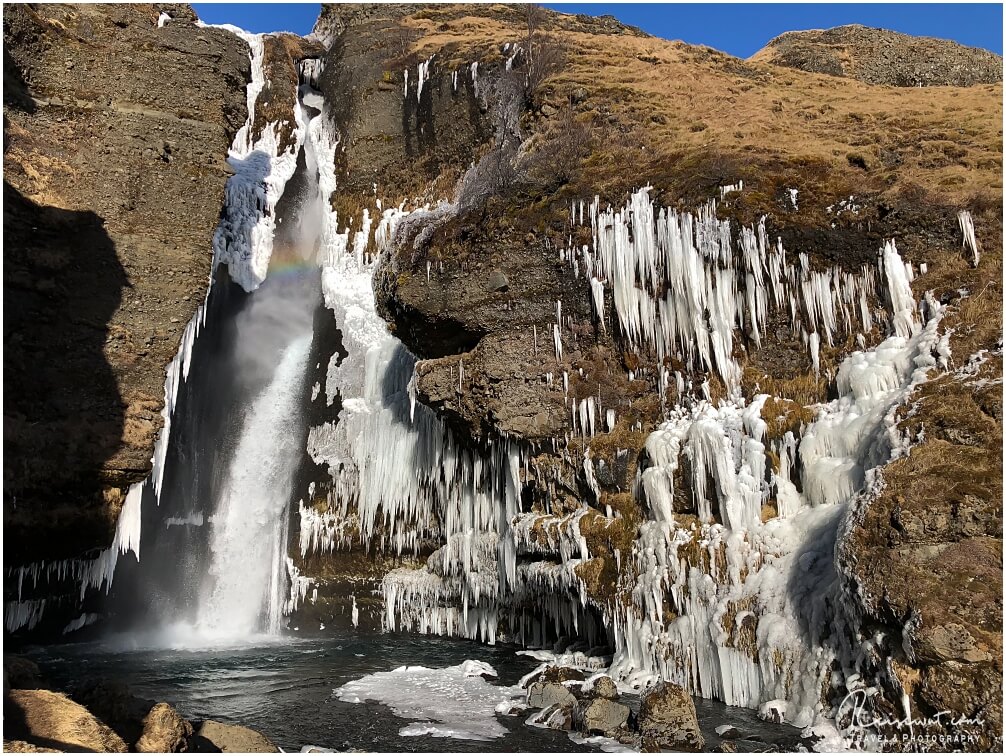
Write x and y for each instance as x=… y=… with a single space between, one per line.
x=557 y=459
x=115 y=137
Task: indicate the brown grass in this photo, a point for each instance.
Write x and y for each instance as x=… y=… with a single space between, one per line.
x=656 y=103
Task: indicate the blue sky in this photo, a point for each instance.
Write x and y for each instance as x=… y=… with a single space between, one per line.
x=739 y=29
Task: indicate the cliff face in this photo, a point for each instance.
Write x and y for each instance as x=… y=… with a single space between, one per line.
x=115 y=138
x=878 y=56
x=834 y=166
x=516 y=130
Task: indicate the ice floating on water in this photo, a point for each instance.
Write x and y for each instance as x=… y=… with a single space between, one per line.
x=454 y=702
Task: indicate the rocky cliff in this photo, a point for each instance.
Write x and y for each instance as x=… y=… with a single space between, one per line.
x=116 y=132
x=658 y=315
x=879 y=56
x=514 y=345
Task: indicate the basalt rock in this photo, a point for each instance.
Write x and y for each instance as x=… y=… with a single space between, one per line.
x=107 y=248
x=667 y=720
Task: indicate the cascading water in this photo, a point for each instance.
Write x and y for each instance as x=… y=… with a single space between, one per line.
x=215 y=540
x=246 y=590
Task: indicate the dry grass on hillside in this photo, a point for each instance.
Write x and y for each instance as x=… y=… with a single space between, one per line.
x=657 y=105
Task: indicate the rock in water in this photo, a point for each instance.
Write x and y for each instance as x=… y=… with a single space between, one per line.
x=234 y=738
x=51 y=718
x=164 y=731
x=603 y=717
x=667 y=720
x=556 y=674
x=605 y=687
x=541 y=695
x=20 y=673
x=555 y=717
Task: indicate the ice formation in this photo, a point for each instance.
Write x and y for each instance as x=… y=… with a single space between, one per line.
x=453 y=702
x=968 y=232
x=680 y=288
x=262 y=167
x=757 y=616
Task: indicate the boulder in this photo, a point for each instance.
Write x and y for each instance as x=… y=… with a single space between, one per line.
x=556 y=674
x=20 y=673
x=164 y=731
x=232 y=738
x=52 y=720
x=604 y=687
x=498 y=281
x=20 y=746
x=113 y=703
x=728 y=732
x=667 y=720
x=555 y=717
x=541 y=695
x=602 y=716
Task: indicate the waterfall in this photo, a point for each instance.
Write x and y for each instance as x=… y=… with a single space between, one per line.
x=246 y=587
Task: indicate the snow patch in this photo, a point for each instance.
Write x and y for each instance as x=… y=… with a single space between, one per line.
x=453 y=702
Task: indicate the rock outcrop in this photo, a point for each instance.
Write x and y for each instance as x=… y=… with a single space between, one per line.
x=232 y=738
x=879 y=56
x=477 y=292
x=52 y=720
x=115 y=138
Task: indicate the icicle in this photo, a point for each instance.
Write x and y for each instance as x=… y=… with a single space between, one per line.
x=968 y=232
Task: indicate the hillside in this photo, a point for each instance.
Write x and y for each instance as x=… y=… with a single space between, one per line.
x=879 y=56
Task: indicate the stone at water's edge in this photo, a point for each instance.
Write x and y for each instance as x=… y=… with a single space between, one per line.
x=605 y=687
x=164 y=731
x=541 y=695
x=232 y=739
x=602 y=716
x=667 y=720
x=54 y=721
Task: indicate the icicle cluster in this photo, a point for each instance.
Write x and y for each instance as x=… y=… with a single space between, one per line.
x=759 y=618
x=680 y=288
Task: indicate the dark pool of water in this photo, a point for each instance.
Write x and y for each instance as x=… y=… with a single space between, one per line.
x=285 y=690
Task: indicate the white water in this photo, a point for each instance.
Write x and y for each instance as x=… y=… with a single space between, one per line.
x=246 y=588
